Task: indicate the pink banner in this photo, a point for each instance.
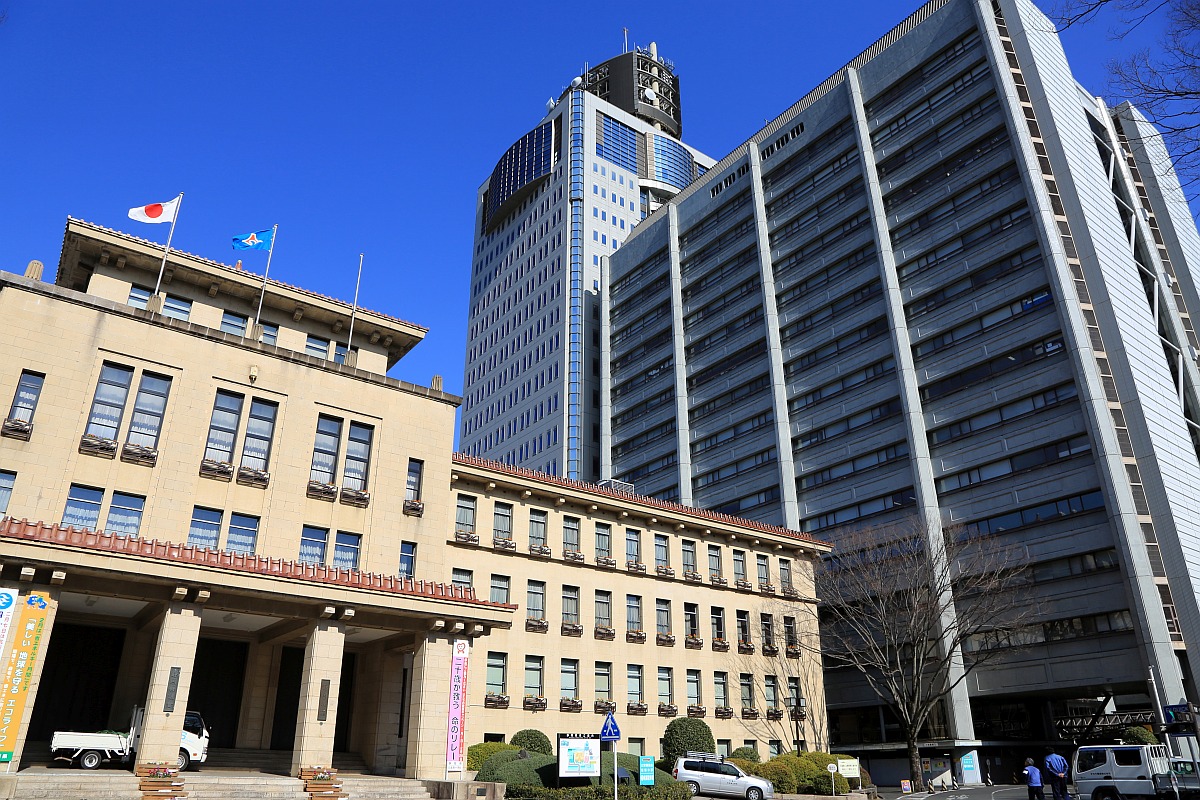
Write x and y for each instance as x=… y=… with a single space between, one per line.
x=456 y=718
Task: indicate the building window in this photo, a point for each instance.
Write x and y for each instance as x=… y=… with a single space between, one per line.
x=243 y=533
x=775 y=747
x=222 y=428
x=570 y=604
x=537 y=528
x=785 y=573
x=346 y=547
x=603 y=540
x=317 y=347
x=764 y=570
x=721 y=688
x=176 y=307
x=662 y=615
x=746 y=680
x=325 y=449
x=533 y=676
x=125 y=514
x=408 y=559
x=691 y=619
x=139 y=297
x=689 y=556
x=662 y=554
x=270 y=333
x=570 y=678
x=793 y=692
x=464 y=515
x=666 y=685
x=83 y=507
x=789 y=632
x=603 y=680
x=412 y=487
x=724 y=747
x=603 y=609
x=461 y=578
x=633 y=544
x=234 y=323
x=339 y=352
x=771 y=691
x=260 y=429
x=205 y=528
x=718 y=622
x=108 y=406
x=29 y=389
x=358 y=457
x=7 y=481
x=149 y=407
x=633 y=683
x=502 y=525
x=633 y=612
x=714 y=560
x=739 y=565
x=570 y=535
x=637 y=746
x=535 y=600
x=693 y=687
x=499 y=589
x=497 y=672
x=312 y=545
x=743 y=626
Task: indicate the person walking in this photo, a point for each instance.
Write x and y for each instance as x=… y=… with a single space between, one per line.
x=1056 y=774
x=1033 y=780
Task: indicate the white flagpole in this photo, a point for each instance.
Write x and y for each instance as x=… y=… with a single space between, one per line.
x=354 y=309
x=270 y=252
x=163 y=267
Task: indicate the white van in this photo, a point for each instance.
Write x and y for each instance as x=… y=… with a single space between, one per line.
x=1117 y=771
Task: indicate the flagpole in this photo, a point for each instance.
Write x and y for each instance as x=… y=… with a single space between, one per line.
x=270 y=252
x=163 y=267
x=354 y=309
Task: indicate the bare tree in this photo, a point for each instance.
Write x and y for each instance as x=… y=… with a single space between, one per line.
x=914 y=611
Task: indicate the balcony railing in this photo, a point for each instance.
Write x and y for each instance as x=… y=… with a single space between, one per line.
x=766 y=588
x=744 y=585
x=720 y=645
x=573 y=555
x=605 y=561
x=790 y=591
x=604 y=706
x=694 y=577
x=717 y=580
x=146 y=456
x=540 y=550
x=745 y=647
x=770 y=649
x=793 y=651
x=774 y=713
x=749 y=712
x=797 y=714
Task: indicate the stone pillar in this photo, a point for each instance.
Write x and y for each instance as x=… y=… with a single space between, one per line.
x=130 y=691
x=319 y=685
x=30 y=626
x=170 y=683
x=383 y=699
x=258 y=698
x=430 y=697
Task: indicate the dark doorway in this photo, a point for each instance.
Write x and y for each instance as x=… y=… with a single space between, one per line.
x=287 y=698
x=78 y=679
x=216 y=692
x=341 y=733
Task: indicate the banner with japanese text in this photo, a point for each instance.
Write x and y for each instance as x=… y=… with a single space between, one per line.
x=456 y=733
x=28 y=626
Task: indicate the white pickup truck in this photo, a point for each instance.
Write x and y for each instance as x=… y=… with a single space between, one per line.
x=1119 y=771
x=90 y=750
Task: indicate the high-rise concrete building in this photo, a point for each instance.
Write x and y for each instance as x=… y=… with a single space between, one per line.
x=947 y=283
x=565 y=195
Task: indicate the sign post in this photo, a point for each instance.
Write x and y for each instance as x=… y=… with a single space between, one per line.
x=609 y=732
x=833 y=768
x=848 y=767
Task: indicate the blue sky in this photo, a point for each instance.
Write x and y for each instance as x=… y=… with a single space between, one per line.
x=364 y=126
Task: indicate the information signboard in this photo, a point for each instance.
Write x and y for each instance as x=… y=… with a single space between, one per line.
x=579 y=755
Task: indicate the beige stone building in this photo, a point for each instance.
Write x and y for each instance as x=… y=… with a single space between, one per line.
x=255 y=523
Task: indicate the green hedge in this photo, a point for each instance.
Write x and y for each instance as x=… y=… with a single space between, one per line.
x=493 y=764
x=533 y=740
x=537 y=770
x=480 y=752
x=542 y=771
x=746 y=754
x=672 y=791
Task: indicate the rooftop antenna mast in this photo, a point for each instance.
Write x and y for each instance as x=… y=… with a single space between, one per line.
x=626 y=31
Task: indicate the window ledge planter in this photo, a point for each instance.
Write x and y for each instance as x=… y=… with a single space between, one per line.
x=695 y=712
x=637 y=709
x=693 y=643
x=720 y=645
x=665 y=639
x=793 y=651
x=316 y=489
x=147 y=457
x=17 y=429
x=605 y=561
x=92 y=445
x=414 y=508
x=539 y=550
x=635 y=637
x=635 y=566
x=573 y=555
x=466 y=538
x=694 y=577
x=744 y=585
x=247 y=476
x=798 y=714
x=723 y=712
x=668 y=710
x=534 y=703
x=495 y=700
x=766 y=588
x=604 y=706
x=605 y=632
x=537 y=625
x=571 y=629
x=503 y=544
x=774 y=713
x=749 y=713
x=746 y=648
x=664 y=572
x=353 y=497
x=791 y=592
x=770 y=650
x=572 y=704
x=717 y=580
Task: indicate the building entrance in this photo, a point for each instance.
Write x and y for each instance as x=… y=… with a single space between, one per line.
x=216 y=692
x=287 y=700
x=78 y=681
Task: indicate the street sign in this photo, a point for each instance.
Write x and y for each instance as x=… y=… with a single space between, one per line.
x=645 y=770
x=1170 y=712
x=832 y=768
x=848 y=767
x=610 y=732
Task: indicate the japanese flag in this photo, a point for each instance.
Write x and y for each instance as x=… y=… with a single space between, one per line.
x=155 y=212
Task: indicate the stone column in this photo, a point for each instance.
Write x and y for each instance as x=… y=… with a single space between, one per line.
x=258 y=698
x=319 y=686
x=383 y=689
x=170 y=683
x=430 y=697
x=31 y=623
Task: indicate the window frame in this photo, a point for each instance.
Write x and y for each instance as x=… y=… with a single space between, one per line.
x=358 y=454
x=14 y=411
x=319 y=450
x=93 y=424
x=122 y=501
x=313 y=541
x=211 y=446
x=248 y=453
x=347 y=543
x=82 y=505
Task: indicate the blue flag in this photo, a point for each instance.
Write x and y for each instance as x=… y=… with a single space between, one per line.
x=259 y=240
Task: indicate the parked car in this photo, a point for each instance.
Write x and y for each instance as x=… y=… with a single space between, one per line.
x=711 y=774
x=1117 y=771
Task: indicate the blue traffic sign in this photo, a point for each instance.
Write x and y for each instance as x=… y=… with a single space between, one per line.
x=610 y=732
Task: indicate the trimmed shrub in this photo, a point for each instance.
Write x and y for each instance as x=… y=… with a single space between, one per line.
x=630 y=763
x=864 y=776
x=1136 y=734
x=744 y=764
x=537 y=770
x=480 y=752
x=493 y=764
x=820 y=783
x=671 y=791
x=746 y=753
x=533 y=740
x=684 y=734
x=779 y=775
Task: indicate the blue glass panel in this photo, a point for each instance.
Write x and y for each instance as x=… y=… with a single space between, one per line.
x=619 y=145
x=673 y=163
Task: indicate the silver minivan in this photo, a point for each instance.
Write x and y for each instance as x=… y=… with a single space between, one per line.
x=710 y=774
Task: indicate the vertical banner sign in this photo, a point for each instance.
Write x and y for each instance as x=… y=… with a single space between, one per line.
x=28 y=627
x=456 y=733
